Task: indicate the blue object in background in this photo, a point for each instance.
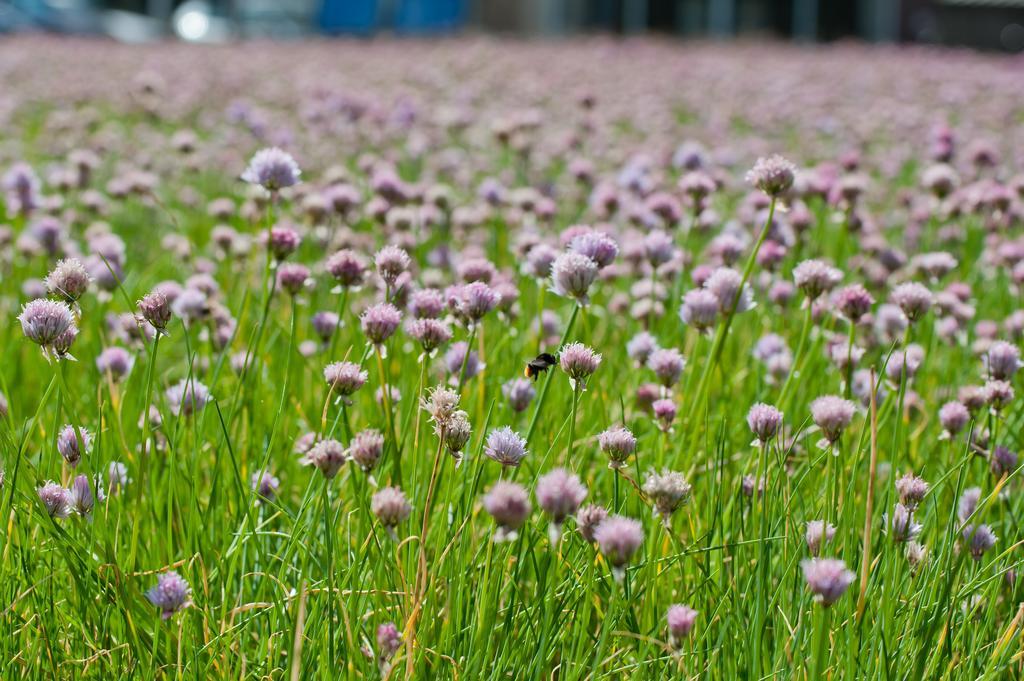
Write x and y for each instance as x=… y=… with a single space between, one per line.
x=429 y=16
x=406 y=16
x=348 y=16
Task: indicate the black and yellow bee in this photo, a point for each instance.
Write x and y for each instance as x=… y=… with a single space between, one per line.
x=535 y=367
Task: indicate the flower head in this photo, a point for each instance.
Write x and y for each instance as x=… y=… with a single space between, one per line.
x=328 y=456
x=764 y=421
x=170 y=594
x=817 y=534
x=69 y=279
x=390 y=506
x=578 y=361
x=572 y=274
x=832 y=415
x=680 y=620
x=380 y=321
x=827 y=578
x=773 y=175
x=505 y=446
x=69 y=445
x=618 y=538
x=668 y=491
x=560 y=493
x=345 y=378
x=618 y=443
x=45 y=321
x=187 y=397
x=509 y=505
x=366 y=448
x=272 y=169
x=56 y=500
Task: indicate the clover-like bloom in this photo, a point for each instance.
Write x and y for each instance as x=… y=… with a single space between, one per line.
x=170 y=594
x=505 y=446
x=272 y=169
x=827 y=578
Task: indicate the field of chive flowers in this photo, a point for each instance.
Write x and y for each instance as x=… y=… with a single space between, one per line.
x=496 y=360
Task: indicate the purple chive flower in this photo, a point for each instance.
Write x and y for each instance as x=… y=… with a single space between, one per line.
x=115 y=361
x=21 y=184
x=391 y=507
x=328 y=456
x=345 y=378
x=117 y=476
x=429 y=333
x=968 y=503
x=853 y=302
x=366 y=448
x=389 y=640
x=473 y=301
x=1002 y=360
x=170 y=594
x=559 y=494
x=699 y=309
x=44 y=321
x=579 y=362
x=901 y=525
x=664 y=413
x=667 y=364
x=283 y=241
x=325 y=324
x=815 y=277
x=832 y=415
x=56 y=500
x=505 y=446
x=426 y=303
x=187 y=397
x=979 y=539
x=764 y=421
x=442 y=404
x=773 y=175
x=539 y=260
x=953 y=416
x=817 y=534
x=827 y=578
x=1002 y=461
x=913 y=299
x=588 y=519
x=680 y=620
x=618 y=538
x=618 y=444
x=597 y=246
x=998 y=394
x=265 y=485
x=272 y=169
x=668 y=491
x=347 y=267
x=81 y=496
x=391 y=262
x=456 y=358
x=456 y=435
x=69 y=445
x=509 y=504
x=380 y=321
x=293 y=277
x=912 y=490
x=519 y=392
x=640 y=347
x=725 y=284
x=572 y=275
x=69 y=280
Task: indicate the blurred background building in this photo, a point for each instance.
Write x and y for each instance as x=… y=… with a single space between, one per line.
x=985 y=24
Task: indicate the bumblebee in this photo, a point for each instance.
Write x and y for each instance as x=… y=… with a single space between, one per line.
x=536 y=367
